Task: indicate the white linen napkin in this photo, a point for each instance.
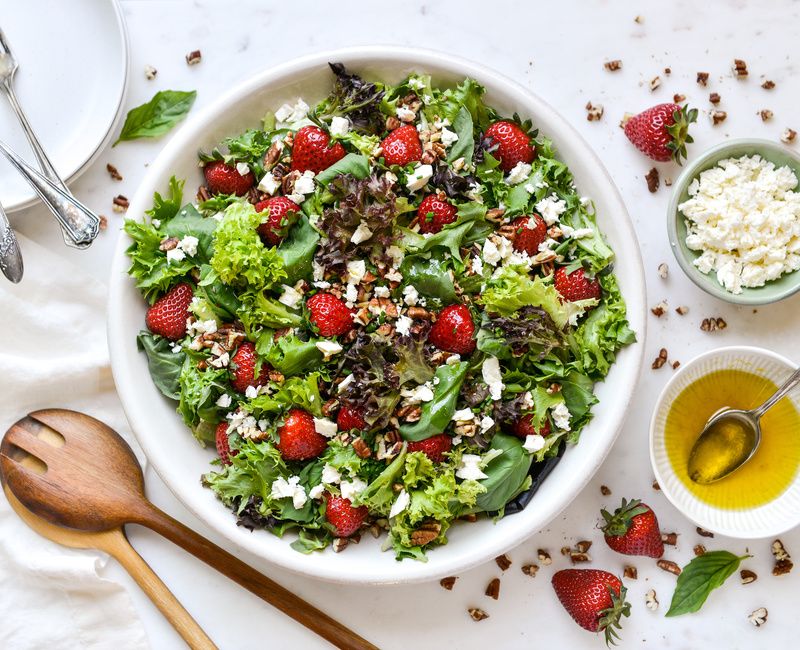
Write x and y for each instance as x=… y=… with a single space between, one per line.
x=53 y=353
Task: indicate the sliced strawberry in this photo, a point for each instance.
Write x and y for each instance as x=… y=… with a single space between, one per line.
x=277 y=224
x=243 y=368
x=576 y=285
x=345 y=519
x=529 y=233
x=226 y=179
x=454 y=330
x=435 y=213
x=434 y=447
x=223 y=444
x=298 y=438
x=168 y=315
x=524 y=427
x=331 y=316
x=402 y=146
x=513 y=144
x=349 y=418
x=312 y=151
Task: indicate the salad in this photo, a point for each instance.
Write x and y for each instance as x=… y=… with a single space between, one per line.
x=387 y=311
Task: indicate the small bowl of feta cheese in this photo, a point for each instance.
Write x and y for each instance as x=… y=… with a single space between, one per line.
x=734 y=221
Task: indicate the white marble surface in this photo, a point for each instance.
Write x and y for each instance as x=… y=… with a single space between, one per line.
x=556 y=50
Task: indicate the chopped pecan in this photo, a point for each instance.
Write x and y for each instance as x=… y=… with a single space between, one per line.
x=655 y=82
x=426 y=533
x=678 y=98
x=630 y=572
x=594 y=111
x=113 y=172
x=714 y=98
x=768 y=84
x=503 y=561
x=448 y=582
x=699 y=549
x=704 y=533
x=747 y=576
x=669 y=566
x=652 y=180
x=120 y=203
x=788 y=136
x=530 y=569
x=702 y=78
x=613 y=65
x=713 y=324
x=765 y=114
x=670 y=539
x=717 y=117
x=739 y=68
x=168 y=244
x=361 y=448
x=495 y=215
x=194 y=57
x=493 y=589
x=477 y=614
x=544 y=557
x=605 y=490
x=393 y=123
x=419 y=313
x=273 y=154
x=660 y=360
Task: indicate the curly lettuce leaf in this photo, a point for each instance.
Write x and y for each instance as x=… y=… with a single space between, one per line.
x=300 y=392
x=259 y=310
x=167 y=206
x=199 y=392
x=288 y=354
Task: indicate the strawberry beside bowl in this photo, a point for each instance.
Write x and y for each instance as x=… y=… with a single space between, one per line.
x=178 y=458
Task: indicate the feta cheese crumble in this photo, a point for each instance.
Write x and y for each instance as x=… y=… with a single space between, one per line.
x=419 y=177
x=330 y=474
x=551 y=208
x=400 y=504
x=519 y=173
x=339 y=125
x=361 y=234
x=448 y=137
x=421 y=393
x=464 y=415
x=242 y=168
x=325 y=427
x=289 y=114
x=328 y=348
x=356 y=270
x=268 y=184
x=470 y=468
x=282 y=489
x=290 y=297
x=744 y=217
x=533 y=443
x=561 y=416
x=403 y=325
x=188 y=244
x=493 y=377
x=351 y=489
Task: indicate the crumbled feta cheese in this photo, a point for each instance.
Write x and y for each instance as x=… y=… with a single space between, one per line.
x=448 y=137
x=533 y=443
x=290 y=297
x=470 y=468
x=477 y=265
x=305 y=184
x=453 y=359
x=282 y=489
x=421 y=393
x=561 y=416
x=351 y=489
x=551 y=208
x=464 y=415
x=156 y=223
x=175 y=255
x=493 y=377
x=394 y=276
x=356 y=269
x=491 y=254
x=416 y=83
x=361 y=234
x=322 y=284
x=486 y=423
x=345 y=383
x=328 y=348
x=419 y=177
x=396 y=254
x=400 y=504
x=242 y=168
x=475 y=191
x=268 y=184
x=221 y=361
x=427 y=99
x=339 y=125
x=411 y=296
x=202 y=327
x=405 y=114
x=290 y=114
x=251 y=392
x=518 y=174
x=745 y=218
x=325 y=427
x=224 y=401
x=316 y=492
x=330 y=474
x=403 y=325
x=351 y=295
x=527 y=400
x=381 y=292
x=188 y=244
x=176 y=348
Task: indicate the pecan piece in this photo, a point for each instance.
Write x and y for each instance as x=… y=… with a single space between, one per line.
x=448 y=582
x=503 y=561
x=493 y=589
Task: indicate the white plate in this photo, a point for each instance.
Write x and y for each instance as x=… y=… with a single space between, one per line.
x=178 y=458
x=76 y=49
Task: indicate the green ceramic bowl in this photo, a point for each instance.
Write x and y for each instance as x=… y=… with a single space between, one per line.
x=772 y=291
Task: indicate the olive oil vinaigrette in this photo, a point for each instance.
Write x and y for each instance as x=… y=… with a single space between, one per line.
x=776 y=461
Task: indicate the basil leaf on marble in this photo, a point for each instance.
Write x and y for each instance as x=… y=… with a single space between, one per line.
x=159 y=115
x=699 y=578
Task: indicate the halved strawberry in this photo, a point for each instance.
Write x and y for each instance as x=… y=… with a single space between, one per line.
x=402 y=146
x=524 y=427
x=243 y=368
x=513 y=144
x=331 y=316
x=274 y=229
x=345 y=519
x=576 y=285
x=226 y=179
x=349 y=418
x=168 y=315
x=434 y=447
x=298 y=438
x=529 y=233
x=434 y=213
x=312 y=151
x=454 y=330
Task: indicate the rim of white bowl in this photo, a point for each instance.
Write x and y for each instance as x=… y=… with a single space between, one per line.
x=724 y=522
x=558 y=130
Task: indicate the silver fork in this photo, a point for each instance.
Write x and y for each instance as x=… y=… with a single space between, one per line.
x=10 y=256
x=79 y=227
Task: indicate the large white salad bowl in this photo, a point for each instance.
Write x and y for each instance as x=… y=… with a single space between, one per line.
x=175 y=454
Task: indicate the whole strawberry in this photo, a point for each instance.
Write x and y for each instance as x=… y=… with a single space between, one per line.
x=274 y=229
x=345 y=519
x=434 y=447
x=576 y=285
x=331 y=316
x=226 y=179
x=523 y=427
x=402 y=146
x=243 y=368
x=594 y=598
x=435 y=213
x=633 y=530
x=662 y=132
x=513 y=144
x=168 y=315
x=349 y=418
x=312 y=151
x=298 y=438
x=454 y=330
x=529 y=233
x=222 y=443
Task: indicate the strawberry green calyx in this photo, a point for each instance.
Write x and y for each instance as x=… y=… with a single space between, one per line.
x=620 y=522
x=679 y=132
x=610 y=620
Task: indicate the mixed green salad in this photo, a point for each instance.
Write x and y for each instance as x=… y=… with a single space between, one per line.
x=388 y=311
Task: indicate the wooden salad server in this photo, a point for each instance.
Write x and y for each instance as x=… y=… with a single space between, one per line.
x=92 y=482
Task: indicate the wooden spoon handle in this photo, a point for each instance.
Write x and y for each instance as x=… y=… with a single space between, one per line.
x=118 y=546
x=243 y=574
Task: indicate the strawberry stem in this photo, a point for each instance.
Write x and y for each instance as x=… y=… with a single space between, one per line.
x=610 y=619
x=679 y=132
x=620 y=522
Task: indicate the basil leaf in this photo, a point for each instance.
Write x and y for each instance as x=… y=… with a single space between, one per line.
x=430 y=278
x=699 y=578
x=297 y=251
x=437 y=413
x=164 y=364
x=506 y=474
x=156 y=117
x=465 y=145
x=353 y=164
